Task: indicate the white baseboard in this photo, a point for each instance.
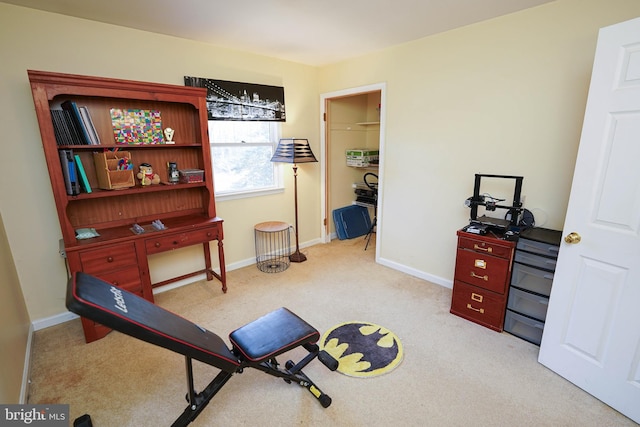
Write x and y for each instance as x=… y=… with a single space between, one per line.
x=57 y=319
x=68 y=316
x=26 y=370
x=417 y=273
x=47 y=322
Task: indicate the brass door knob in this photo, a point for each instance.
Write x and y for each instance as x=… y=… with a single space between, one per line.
x=572 y=237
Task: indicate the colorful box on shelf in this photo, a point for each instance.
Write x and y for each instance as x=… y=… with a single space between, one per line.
x=114 y=170
x=362 y=157
x=188 y=176
x=137 y=126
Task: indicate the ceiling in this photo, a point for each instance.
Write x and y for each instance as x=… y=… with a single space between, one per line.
x=316 y=32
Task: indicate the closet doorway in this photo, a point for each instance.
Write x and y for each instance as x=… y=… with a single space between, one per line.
x=350 y=119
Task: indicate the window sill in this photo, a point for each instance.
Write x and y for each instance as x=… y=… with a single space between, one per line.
x=247 y=194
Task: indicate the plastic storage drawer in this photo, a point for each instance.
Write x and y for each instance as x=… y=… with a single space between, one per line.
x=539 y=248
x=528 y=304
x=532 y=279
x=524 y=327
x=535 y=260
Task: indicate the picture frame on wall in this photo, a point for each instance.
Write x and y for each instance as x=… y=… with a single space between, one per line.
x=228 y=100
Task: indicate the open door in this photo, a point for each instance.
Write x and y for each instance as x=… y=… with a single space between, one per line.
x=592 y=331
x=351 y=118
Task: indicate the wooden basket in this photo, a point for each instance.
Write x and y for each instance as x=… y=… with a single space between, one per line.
x=109 y=176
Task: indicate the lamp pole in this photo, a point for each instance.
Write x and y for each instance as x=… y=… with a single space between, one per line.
x=297 y=256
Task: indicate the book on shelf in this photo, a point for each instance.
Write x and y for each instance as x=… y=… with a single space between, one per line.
x=72 y=128
x=67 y=162
x=88 y=124
x=76 y=118
x=84 y=181
x=65 y=128
x=60 y=128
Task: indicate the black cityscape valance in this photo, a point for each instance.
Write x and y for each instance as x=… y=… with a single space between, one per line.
x=227 y=100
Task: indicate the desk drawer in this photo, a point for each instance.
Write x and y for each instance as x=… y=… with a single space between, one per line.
x=127 y=279
x=485 y=247
x=180 y=240
x=108 y=258
x=486 y=271
x=478 y=305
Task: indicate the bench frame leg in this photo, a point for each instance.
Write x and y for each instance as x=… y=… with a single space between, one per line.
x=293 y=373
x=199 y=401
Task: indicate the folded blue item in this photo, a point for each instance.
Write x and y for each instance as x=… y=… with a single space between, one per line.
x=351 y=221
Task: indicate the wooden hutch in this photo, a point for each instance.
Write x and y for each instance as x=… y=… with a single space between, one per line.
x=187 y=210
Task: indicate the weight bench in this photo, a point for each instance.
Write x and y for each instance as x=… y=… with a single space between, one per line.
x=254 y=345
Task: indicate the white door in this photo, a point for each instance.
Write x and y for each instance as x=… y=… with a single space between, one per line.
x=592 y=331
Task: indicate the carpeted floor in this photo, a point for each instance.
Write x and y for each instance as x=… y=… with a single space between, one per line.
x=453 y=372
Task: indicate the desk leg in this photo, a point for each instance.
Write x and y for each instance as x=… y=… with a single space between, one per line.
x=223 y=270
x=207 y=262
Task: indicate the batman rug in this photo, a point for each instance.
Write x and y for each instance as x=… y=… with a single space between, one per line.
x=363 y=349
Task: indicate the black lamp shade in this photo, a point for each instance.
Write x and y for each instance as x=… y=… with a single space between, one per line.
x=293 y=150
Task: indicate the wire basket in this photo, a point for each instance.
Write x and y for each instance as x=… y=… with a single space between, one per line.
x=273 y=246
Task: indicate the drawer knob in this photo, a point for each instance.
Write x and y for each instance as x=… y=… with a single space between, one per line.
x=110 y=259
x=208 y=234
x=480 y=248
x=479 y=310
x=157 y=244
x=485 y=277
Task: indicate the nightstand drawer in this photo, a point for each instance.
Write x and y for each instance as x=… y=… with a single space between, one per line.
x=108 y=258
x=180 y=240
x=478 y=305
x=486 y=271
x=489 y=248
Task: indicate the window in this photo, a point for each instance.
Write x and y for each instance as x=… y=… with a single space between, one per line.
x=241 y=154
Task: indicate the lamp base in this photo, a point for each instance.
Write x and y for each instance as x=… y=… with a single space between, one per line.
x=297 y=256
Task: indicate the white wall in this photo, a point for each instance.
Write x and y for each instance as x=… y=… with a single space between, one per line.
x=31 y=39
x=504 y=96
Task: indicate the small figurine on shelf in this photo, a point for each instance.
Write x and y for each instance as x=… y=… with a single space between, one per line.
x=158 y=225
x=172 y=172
x=146 y=175
x=168 y=133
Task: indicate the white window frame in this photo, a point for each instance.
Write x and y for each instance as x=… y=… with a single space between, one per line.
x=278 y=187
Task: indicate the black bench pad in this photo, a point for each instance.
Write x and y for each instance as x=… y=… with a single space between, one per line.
x=117 y=309
x=272 y=334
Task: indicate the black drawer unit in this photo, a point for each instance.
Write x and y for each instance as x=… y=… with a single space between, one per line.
x=533 y=266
